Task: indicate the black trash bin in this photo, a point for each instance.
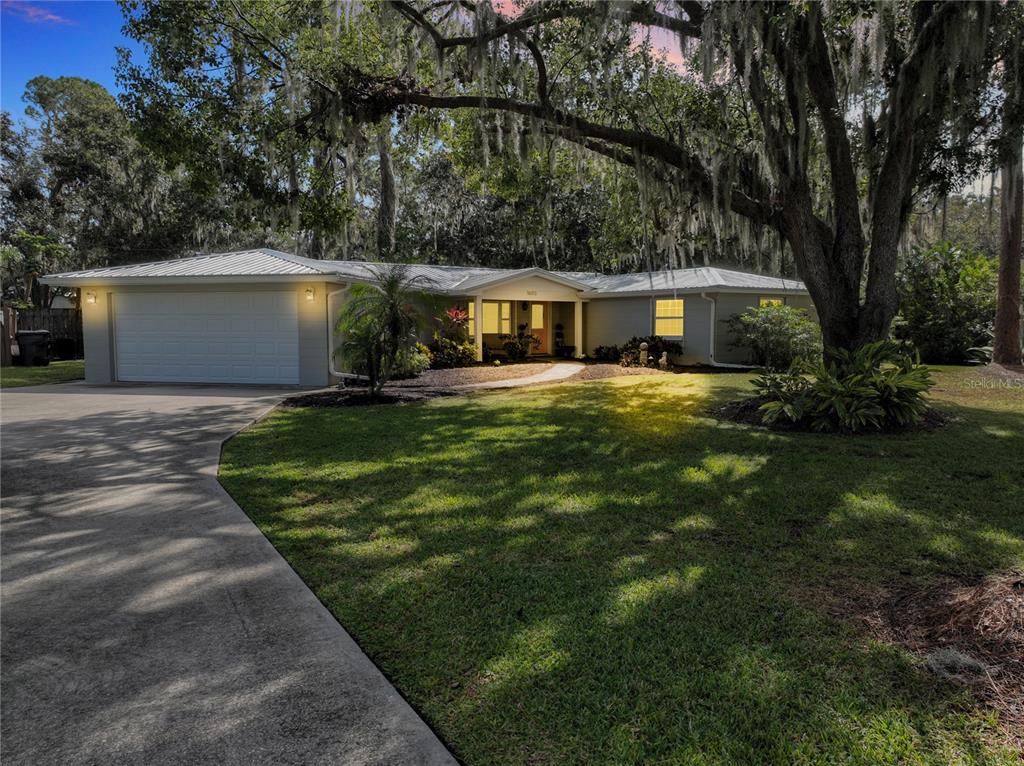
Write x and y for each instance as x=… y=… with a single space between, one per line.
x=34 y=348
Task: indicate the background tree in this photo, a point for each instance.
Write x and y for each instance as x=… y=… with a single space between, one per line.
x=547 y=202
x=24 y=259
x=817 y=123
x=1006 y=345
x=80 y=190
x=947 y=302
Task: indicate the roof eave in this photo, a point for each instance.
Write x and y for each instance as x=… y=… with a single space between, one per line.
x=523 y=274
x=58 y=280
x=692 y=291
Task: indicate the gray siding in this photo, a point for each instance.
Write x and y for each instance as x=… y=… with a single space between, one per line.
x=97 y=336
x=697 y=328
x=613 y=321
x=737 y=303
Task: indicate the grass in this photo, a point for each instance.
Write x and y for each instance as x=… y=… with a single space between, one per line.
x=55 y=372
x=598 y=573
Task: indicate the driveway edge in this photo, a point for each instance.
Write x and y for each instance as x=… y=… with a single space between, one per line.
x=430 y=744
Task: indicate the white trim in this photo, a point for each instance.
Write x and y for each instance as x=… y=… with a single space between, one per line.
x=478 y=326
x=516 y=275
x=714 y=320
x=655 y=317
x=577 y=328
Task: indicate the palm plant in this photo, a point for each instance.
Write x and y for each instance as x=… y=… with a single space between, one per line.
x=378 y=322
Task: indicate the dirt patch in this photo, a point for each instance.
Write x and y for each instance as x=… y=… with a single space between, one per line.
x=359 y=397
x=604 y=370
x=1009 y=372
x=968 y=632
x=479 y=373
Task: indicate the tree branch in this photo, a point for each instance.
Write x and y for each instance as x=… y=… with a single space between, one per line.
x=635 y=13
x=890 y=203
x=608 y=141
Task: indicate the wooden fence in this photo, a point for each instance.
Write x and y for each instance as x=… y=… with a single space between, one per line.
x=62 y=324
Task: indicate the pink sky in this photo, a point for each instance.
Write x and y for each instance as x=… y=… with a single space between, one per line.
x=32 y=13
x=664 y=42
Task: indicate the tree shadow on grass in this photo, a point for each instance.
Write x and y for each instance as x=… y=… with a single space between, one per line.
x=597 y=574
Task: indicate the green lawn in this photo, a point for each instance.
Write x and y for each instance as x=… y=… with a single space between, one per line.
x=597 y=573
x=55 y=372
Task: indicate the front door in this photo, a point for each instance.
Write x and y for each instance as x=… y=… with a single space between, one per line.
x=539 y=327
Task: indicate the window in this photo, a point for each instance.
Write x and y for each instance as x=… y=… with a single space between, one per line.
x=668 y=318
x=497 y=317
x=771 y=302
x=536 y=316
x=471 y=321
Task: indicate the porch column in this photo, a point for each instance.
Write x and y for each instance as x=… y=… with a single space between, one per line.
x=577 y=329
x=478 y=327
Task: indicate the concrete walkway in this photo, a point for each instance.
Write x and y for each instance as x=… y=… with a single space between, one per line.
x=554 y=373
x=145 y=619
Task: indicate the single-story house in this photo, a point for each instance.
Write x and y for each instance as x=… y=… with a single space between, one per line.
x=263 y=316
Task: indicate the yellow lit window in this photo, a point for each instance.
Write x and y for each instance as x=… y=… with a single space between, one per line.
x=537 y=316
x=471 y=321
x=771 y=302
x=497 y=317
x=668 y=318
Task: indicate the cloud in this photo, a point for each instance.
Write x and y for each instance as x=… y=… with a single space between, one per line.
x=33 y=14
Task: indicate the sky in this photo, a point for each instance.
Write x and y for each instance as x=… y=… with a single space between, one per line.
x=64 y=38
x=79 y=37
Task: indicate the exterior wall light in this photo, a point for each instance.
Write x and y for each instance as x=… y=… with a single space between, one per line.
x=310 y=293
x=90 y=298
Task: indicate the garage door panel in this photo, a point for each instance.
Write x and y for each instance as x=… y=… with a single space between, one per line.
x=207 y=337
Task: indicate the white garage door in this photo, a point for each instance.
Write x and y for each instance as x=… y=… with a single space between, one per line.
x=207 y=337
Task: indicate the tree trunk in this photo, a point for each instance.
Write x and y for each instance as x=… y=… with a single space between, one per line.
x=831 y=269
x=1006 y=348
x=387 y=212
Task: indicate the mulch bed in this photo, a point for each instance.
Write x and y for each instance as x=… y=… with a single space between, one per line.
x=747 y=412
x=478 y=373
x=359 y=397
x=969 y=632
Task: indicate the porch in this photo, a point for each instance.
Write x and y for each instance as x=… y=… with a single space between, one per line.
x=557 y=326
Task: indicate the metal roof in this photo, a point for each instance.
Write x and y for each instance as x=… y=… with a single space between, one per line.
x=430 y=277
x=264 y=264
x=241 y=263
x=700 y=278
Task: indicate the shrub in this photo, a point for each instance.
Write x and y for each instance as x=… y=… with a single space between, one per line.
x=518 y=346
x=454 y=322
x=629 y=355
x=447 y=352
x=947 y=302
x=607 y=353
x=776 y=336
x=411 y=361
x=877 y=387
x=378 y=322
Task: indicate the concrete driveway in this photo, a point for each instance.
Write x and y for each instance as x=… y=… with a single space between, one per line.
x=145 y=619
